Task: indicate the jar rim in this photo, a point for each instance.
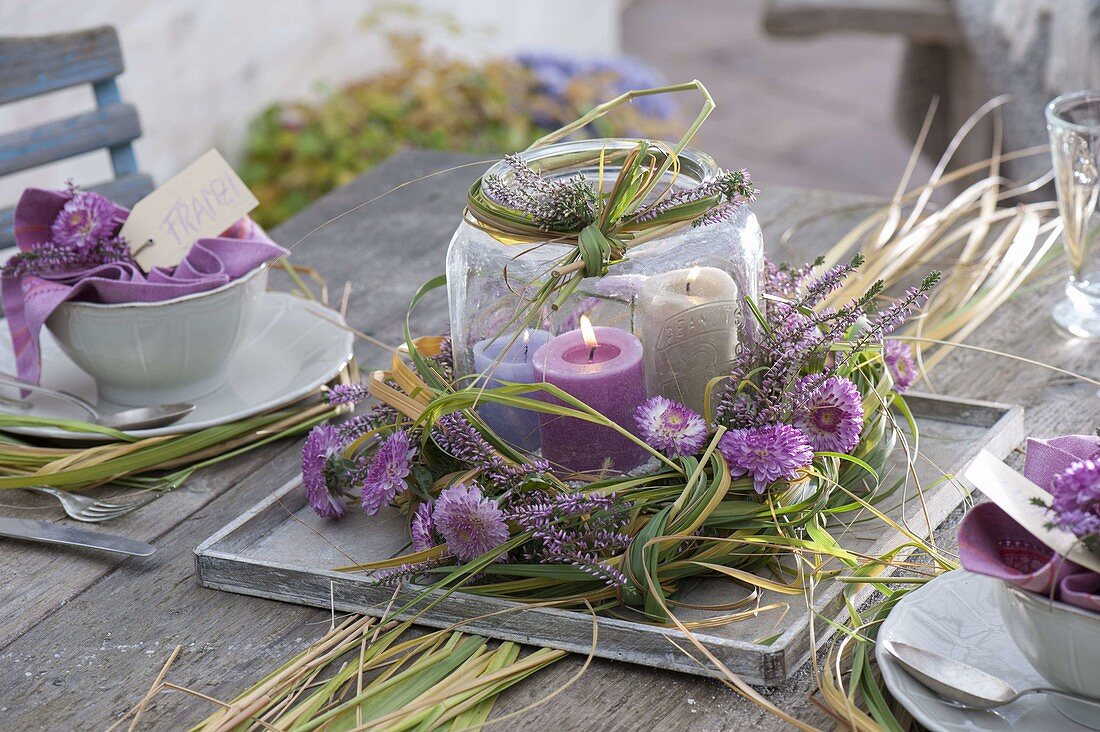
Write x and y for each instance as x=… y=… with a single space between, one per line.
x=695 y=165
x=1057 y=111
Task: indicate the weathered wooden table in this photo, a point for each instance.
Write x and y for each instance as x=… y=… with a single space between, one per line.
x=83 y=635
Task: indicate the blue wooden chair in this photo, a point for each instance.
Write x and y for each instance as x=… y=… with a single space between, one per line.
x=35 y=65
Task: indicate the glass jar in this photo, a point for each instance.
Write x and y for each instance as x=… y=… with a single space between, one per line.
x=682 y=296
x=1073 y=121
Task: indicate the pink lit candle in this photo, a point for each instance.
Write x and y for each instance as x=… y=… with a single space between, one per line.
x=602 y=367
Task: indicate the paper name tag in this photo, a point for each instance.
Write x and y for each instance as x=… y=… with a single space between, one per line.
x=203 y=200
x=1014 y=494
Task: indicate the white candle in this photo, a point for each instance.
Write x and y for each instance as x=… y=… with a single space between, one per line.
x=689 y=322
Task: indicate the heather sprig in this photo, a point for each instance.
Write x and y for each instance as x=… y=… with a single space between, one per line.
x=445 y=361
x=829 y=281
x=893 y=315
x=54 y=259
x=379 y=418
x=719 y=213
x=578 y=529
x=351 y=394
x=794 y=340
x=731 y=189
x=801 y=343
x=408 y=571
x=562 y=204
x=886 y=321
x=456 y=437
x=783 y=280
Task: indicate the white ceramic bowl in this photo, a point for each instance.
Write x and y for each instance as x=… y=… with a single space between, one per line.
x=145 y=353
x=1061 y=641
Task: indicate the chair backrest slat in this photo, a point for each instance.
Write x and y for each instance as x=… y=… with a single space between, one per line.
x=123 y=191
x=110 y=126
x=42 y=64
x=35 y=65
x=122 y=154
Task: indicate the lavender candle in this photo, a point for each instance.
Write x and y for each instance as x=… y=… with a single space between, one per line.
x=508 y=358
x=602 y=367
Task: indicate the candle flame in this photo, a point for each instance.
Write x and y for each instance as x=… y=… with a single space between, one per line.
x=588 y=333
x=692 y=276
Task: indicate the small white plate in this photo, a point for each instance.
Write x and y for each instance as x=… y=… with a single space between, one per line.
x=955 y=615
x=292 y=348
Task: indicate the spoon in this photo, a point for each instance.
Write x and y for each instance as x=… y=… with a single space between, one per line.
x=129 y=419
x=963 y=683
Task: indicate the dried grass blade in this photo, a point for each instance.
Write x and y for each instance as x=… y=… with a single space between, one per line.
x=893 y=211
x=948 y=154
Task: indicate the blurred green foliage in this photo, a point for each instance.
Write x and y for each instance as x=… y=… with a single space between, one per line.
x=298 y=151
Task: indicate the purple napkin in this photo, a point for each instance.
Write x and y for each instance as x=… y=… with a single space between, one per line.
x=993 y=544
x=1082 y=590
x=29 y=300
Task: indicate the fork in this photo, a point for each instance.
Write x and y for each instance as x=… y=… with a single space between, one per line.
x=91 y=510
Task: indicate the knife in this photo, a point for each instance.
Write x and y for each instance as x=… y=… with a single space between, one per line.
x=50 y=533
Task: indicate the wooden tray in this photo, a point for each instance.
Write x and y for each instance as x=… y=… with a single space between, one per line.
x=280 y=550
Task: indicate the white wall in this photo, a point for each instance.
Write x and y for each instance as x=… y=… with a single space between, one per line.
x=198 y=70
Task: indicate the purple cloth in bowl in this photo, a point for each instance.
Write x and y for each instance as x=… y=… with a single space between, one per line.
x=992 y=543
x=1082 y=590
x=29 y=301
x=1046 y=459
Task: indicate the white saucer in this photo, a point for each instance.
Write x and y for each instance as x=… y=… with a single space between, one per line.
x=293 y=347
x=955 y=615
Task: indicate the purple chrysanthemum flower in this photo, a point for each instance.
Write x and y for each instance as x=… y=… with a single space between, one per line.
x=1076 y=499
x=87 y=218
x=423 y=528
x=470 y=523
x=829 y=413
x=899 y=361
x=386 y=476
x=766 y=453
x=323 y=443
x=670 y=427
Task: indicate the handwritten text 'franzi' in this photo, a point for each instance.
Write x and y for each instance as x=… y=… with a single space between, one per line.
x=189 y=217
